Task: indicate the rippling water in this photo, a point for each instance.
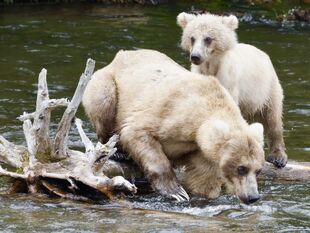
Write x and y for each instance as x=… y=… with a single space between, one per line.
x=284 y=208
x=62 y=38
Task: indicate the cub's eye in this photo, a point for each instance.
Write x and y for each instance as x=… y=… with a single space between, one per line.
x=258 y=172
x=208 y=40
x=192 y=40
x=242 y=171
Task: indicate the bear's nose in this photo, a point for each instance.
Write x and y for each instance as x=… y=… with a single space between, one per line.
x=196 y=59
x=253 y=198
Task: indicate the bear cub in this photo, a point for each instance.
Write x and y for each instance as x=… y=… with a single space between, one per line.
x=244 y=70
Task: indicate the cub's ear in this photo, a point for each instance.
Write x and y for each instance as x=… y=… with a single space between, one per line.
x=257 y=130
x=231 y=22
x=184 y=18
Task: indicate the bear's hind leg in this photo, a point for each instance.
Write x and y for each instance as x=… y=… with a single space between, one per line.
x=99 y=101
x=148 y=153
x=272 y=120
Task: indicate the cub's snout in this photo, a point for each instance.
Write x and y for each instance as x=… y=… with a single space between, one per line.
x=196 y=59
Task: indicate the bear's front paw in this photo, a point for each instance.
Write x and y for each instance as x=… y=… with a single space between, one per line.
x=277 y=159
x=171 y=190
x=180 y=195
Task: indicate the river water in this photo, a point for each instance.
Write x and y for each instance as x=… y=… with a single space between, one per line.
x=61 y=38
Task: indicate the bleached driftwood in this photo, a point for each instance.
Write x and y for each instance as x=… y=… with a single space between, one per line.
x=49 y=165
x=11 y=154
x=293 y=171
x=60 y=143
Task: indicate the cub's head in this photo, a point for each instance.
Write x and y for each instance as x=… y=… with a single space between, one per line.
x=207 y=35
x=240 y=157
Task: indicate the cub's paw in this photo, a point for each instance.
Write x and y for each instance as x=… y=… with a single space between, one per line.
x=277 y=159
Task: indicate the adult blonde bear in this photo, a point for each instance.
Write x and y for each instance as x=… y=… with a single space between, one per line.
x=164 y=115
x=244 y=70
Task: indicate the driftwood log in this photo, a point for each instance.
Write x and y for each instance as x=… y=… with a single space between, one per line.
x=48 y=165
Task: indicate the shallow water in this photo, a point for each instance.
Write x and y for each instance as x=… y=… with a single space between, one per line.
x=61 y=38
x=283 y=208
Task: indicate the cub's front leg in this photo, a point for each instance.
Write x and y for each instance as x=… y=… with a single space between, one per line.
x=148 y=153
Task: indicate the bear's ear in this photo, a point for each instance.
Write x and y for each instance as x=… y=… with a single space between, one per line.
x=211 y=133
x=184 y=18
x=231 y=22
x=257 y=130
x=220 y=129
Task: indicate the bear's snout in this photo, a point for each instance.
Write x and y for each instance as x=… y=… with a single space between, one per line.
x=253 y=198
x=196 y=59
x=250 y=199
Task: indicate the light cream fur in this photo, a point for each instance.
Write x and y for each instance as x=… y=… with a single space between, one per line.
x=167 y=115
x=245 y=71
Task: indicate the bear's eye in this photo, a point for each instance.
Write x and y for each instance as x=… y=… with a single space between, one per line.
x=192 y=40
x=258 y=172
x=242 y=171
x=208 y=40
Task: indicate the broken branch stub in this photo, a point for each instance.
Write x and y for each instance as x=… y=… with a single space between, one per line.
x=97 y=156
x=31 y=141
x=11 y=154
x=42 y=117
x=89 y=147
x=61 y=138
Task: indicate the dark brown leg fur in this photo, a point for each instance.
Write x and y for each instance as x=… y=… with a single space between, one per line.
x=272 y=121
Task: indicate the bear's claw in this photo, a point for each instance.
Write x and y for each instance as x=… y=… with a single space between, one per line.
x=171 y=190
x=278 y=161
x=181 y=195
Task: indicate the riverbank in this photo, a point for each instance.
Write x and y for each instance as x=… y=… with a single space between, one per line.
x=245 y=10
x=268 y=3
x=107 y=2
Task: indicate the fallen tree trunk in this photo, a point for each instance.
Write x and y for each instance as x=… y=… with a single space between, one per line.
x=47 y=165
x=293 y=171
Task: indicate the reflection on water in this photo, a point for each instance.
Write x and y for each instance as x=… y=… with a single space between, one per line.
x=62 y=38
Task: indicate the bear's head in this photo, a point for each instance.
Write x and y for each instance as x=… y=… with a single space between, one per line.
x=239 y=154
x=207 y=35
